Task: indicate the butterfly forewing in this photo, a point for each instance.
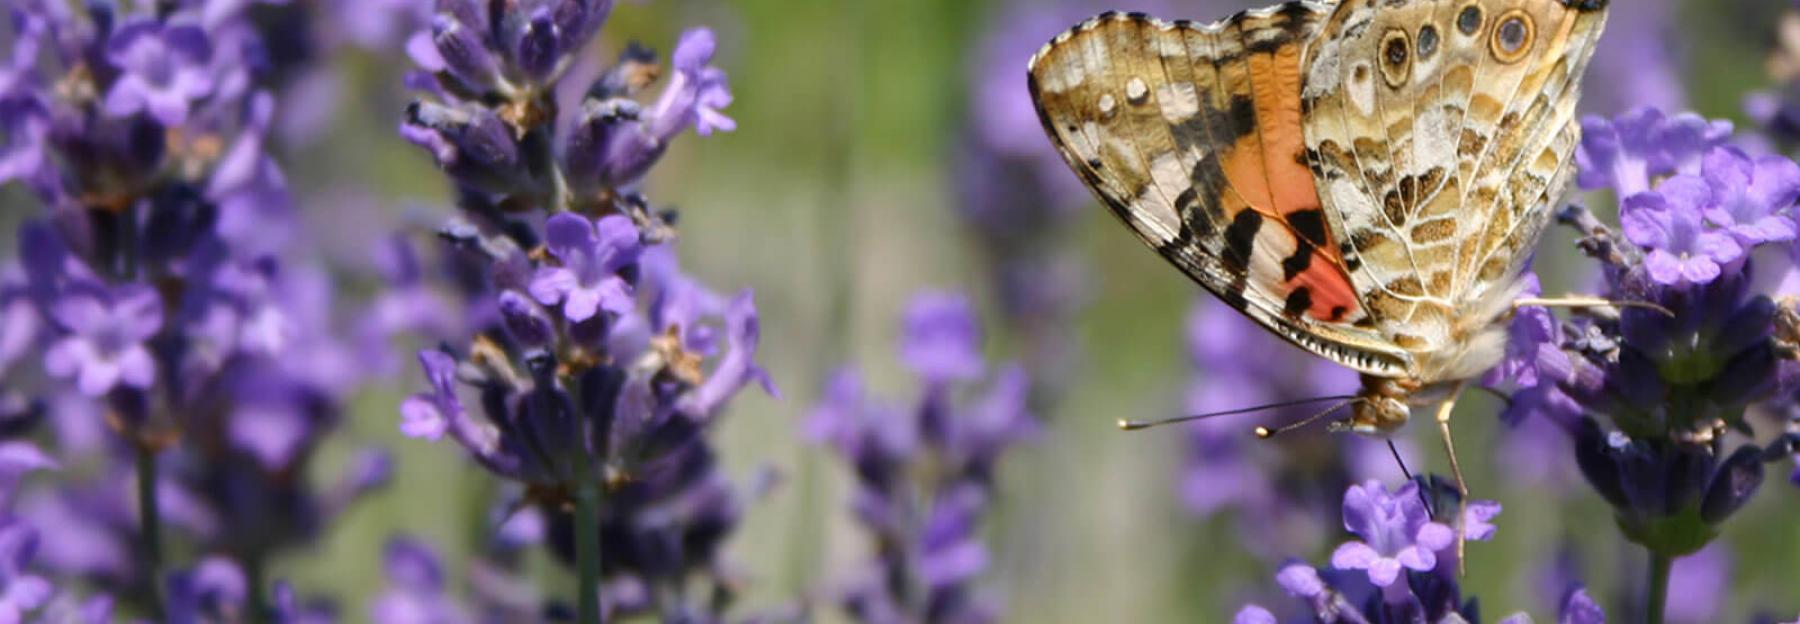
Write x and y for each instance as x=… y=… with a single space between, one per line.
x=1193 y=135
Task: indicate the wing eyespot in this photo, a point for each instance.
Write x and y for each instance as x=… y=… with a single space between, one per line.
x=1396 y=58
x=1428 y=41
x=1468 y=22
x=1512 y=37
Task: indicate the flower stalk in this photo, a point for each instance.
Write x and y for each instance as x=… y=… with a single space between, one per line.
x=587 y=544
x=1657 y=596
x=150 y=525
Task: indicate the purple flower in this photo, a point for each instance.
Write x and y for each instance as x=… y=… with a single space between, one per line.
x=940 y=341
x=24 y=130
x=1396 y=530
x=1252 y=614
x=104 y=344
x=1627 y=153
x=592 y=253
x=1477 y=520
x=215 y=589
x=1580 y=608
x=429 y=415
x=697 y=92
x=737 y=368
x=934 y=545
x=20 y=591
x=416 y=592
x=1748 y=197
x=163 y=69
x=1669 y=223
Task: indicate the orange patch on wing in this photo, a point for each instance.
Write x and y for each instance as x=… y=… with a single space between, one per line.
x=1267 y=166
x=1333 y=297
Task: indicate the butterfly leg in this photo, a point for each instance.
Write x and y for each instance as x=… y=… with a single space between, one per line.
x=1462 y=487
x=1574 y=301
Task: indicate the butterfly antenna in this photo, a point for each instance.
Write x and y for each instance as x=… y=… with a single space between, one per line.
x=1266 y=433
x=1135 y=425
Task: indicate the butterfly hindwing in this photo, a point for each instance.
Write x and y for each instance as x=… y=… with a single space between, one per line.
x=1193 y=135
x=1441 y=132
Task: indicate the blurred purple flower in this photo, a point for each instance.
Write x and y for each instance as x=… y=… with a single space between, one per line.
x=416 y=591
x=163 y=69
x=592 y=253
x=940 y=341
x=104 y=344
x=928 y=526
x=429 y=415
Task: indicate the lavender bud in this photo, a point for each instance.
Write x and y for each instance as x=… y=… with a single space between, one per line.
x=525 y=321
x=540 y=46
x=1732 y=487
x=464 y=53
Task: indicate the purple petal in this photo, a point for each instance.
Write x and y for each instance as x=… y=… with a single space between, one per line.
x=1354 y=556
x=694 y=50
x=1644 y=218
x=1579 y=608
x=1478 y=520
x=581 y=304
x=1384 y=572
x=1435 y=536
x=1252 y=614
x=1417 y=558
x=569 y=235
x=420 y=418
x=549 y=285
x=1300 y=581
x=1727 y=168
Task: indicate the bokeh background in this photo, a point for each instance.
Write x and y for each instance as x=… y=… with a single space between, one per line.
x=884 y=148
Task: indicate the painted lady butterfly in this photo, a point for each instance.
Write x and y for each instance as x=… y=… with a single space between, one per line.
x=1364 y=178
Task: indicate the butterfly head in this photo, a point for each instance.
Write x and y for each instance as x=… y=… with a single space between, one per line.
x=1382 y=406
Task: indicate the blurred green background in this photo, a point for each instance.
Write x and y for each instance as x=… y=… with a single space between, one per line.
x=834 y=200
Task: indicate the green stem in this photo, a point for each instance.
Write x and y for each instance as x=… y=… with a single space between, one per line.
x=1658 y=596
x=587 y=545
x=260 y=612
x=150 y=526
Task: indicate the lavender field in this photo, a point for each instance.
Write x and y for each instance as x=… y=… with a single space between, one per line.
x=763 y=311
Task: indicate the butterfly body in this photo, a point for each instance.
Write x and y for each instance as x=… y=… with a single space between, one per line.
x=1364 y=178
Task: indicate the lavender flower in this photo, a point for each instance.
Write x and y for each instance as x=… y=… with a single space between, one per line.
x=163 y=269
x=416 y=591
x=1647 y=395
x=1680 y=247
x=104 y=346
x=591 y=254
x=596 y=366
x=930 y=553
x=1405 y=571
x=516 y=57
x=1396 y=530
x=163 y=69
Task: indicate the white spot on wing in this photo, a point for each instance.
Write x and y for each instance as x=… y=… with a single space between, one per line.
x=1180 y=101
x=1136 y=90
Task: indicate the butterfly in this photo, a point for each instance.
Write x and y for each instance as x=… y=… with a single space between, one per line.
x=1365 y=178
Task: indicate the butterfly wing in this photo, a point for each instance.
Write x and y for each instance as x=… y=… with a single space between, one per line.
x=1440 y=132
x=1191 y=134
